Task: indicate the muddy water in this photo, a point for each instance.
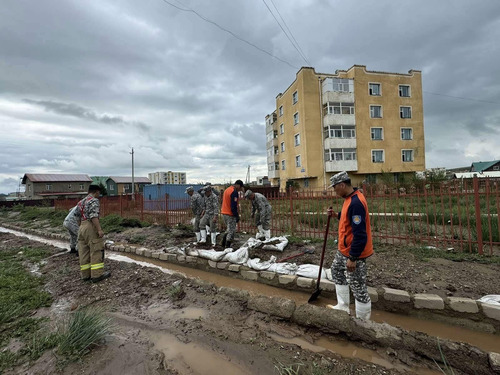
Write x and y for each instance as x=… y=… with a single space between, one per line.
x=56 y=243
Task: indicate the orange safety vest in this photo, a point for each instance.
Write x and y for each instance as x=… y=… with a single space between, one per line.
x=349 y=218
x=226 y=201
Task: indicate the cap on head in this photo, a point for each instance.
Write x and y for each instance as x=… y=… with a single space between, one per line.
x=338 y=178
x=93 y=188
x=247 y=193
x=207 y=188
x=239 y=182
x=189 y=189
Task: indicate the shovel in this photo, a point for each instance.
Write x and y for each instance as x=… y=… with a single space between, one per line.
x=317 y=292
x=306 y=251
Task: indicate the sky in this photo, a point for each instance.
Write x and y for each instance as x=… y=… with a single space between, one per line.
x=82 y=82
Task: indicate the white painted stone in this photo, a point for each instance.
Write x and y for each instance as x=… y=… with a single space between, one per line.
x=234 y=267
x=212 y=264
x=222 y=265
x=286 y=279
x=396 y=295
x=250 y=275
x=491 y=311
x=172 y=257
x=190 y=259
x=305 y=282
x=181 y=258
x=267 y=275
x=373 y=294
x=428 y=301
x=461 y=304
x=139 y=251
x=164 y=256
x=327 y=285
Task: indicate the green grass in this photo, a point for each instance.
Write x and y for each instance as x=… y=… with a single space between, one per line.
x=293 y=369
x=30 y=214
x=423 y=253
x=115 y=223
x=175 y=291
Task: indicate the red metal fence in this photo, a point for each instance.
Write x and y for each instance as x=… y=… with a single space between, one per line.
x=459 y=214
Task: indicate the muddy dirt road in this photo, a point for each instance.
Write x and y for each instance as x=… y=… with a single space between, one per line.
x=167 y=324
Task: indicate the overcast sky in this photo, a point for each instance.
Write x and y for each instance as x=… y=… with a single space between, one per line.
x=81 y=82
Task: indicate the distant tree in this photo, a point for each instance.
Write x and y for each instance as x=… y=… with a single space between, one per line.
x=104 y=191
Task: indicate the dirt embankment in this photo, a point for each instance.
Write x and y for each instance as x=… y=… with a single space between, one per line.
x=165 y=324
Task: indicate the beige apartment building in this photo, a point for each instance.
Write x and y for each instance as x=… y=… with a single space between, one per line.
x=360 y=121
x=167 y=177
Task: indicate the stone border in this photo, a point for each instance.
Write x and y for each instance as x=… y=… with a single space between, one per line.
x=459 y=311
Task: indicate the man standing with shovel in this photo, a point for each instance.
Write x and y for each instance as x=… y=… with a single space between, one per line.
x=354 y=246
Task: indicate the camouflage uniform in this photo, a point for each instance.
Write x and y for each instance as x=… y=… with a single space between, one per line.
x=197 y=205
x=72 y=224
x=90 y=246
x=356 y=280
x=230 y=222
x=211 y=211
x=263 y=208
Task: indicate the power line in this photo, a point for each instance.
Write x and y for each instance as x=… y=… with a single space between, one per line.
x=284 y=32
x=291 y=34
x=229 y=32
x=461 y=97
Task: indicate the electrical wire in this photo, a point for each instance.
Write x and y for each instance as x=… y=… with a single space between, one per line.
x=461 y=97
x=284 y=32
x=230 y=32
x=291 y=34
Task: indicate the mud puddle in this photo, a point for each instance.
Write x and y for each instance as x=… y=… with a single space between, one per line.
x=485 y=341
x=55 y=243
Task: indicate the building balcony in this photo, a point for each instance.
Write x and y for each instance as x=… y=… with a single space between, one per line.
x=339 y=120
x=272 y=143
x=340 y=143
x=341 y=165
x=338 y=97
x=273 y=174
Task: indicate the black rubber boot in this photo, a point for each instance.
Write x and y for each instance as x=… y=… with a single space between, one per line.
x=105 y=275
x=223 y=242
x=73 y=250
x=228 y=244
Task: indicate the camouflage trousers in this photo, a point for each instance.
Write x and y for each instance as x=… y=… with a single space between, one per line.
x=356 y=280
x=230 y=222
x=196 y=225
x=208 y=220
x=73 y=233
x=264 y=219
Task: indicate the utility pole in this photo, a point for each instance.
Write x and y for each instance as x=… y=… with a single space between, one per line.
x=133 y=182
x=247 y=180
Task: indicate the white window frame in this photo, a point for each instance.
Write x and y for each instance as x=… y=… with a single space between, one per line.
x=283 y=165
x=282 y=128
x=69 y=187
x=382 y=133
x=409 y=91
x=383 y=155
x=111 y=187
x=401 y=111
x=411 y=134
x=412 y=153
x=331 y=108
x=295 y=138
x=296 y=118
x=298 y=161
x=342 y=85
x=295 y=97
x=340 y=154
x=280 y=110
x=370 y=88
x=372 y=106
x=82 y=187
x=344 y=129
x=282 y=146
x=48 y=187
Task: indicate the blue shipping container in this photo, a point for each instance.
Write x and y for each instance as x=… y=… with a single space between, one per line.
x=154 y=196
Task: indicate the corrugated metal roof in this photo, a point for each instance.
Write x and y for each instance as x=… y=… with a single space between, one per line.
x=50 y=177
x=479 y=175
x=480 y=166
x=128 y=180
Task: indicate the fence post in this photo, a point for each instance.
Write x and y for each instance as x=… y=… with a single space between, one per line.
x=291 y=210
x=479 y=226
x=121 y=205
x=166 y=210
x=142 y=206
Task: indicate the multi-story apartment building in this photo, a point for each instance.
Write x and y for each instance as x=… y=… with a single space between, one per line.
x=167 y=177
x=360 y=121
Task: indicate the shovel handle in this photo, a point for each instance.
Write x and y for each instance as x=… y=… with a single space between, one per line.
x=323 y=251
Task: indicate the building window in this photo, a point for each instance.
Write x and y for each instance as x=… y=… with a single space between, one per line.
x=374 y=89
x=48 y=187
x=275 y=135
x=406 y=134
x=407 y=155
x=343 y=85
x=296 y=118
x=295 y=97
x=377 y=134
x=276 y=150
x=282 y=128
x=405 y=112
x=82 y=187
x=69 y=186
x=333 y=108
x=404 y=91
x=340 y=131
x=376 y=111
x=282 y=146
x=281 y=111
x=276 y=166
x=339 y=154
x=283 y=165
x=111 y=187
x=377 y=156
x=296 y=138
x=297 y=161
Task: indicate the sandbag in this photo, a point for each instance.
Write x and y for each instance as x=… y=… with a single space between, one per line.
x=491 y=299
x=239 y=256
x=216 y=256
x=257 y=265
x=283 y=268
x=311 y=271
x=268 y=245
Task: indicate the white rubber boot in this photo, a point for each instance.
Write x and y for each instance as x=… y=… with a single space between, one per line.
x=343 y=298
x=203 y=236
x=198 y=236
x=208 y=229
x=363 y=310
x=267 y=234
x=213 y=237
x=260 y=233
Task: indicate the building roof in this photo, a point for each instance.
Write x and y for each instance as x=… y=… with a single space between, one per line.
x=128 y=180
x=69 y=193
x=49 y=177
x=480 y=166
x=478 y=174
x=99 y=180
